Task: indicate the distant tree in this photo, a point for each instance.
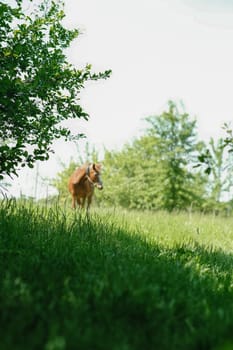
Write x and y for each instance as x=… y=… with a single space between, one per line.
x=132 y=176
x=175 y=143
x=39 y=88
x=122 y=177
x=205 y=157
x=221 y=164
x=61 y=180
x=156 y=170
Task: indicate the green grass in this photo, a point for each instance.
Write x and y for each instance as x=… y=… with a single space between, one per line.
x=116 y=280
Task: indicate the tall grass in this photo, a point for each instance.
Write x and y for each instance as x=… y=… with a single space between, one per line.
x=114 y=280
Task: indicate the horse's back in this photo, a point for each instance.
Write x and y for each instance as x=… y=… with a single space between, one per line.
x=77 y=175
x=75 y=183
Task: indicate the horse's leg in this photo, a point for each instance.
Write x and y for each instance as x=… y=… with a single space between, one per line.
x=74 y=201
x=79 y=202
x=89 y=200
x=83 y=202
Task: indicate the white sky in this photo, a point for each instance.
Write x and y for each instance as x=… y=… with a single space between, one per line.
x=158 y=50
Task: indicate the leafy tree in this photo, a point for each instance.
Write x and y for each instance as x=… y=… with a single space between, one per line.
x=119 y=175
x=39 y=89
x=61 y=181
x=176 y=145
x=156 y=170
x=131 y=176
x=205 y=157
x=221 y=164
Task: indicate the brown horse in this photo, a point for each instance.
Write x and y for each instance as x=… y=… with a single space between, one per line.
x=82 y=183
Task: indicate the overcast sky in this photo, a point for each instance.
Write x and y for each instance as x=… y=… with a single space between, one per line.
x=158 y=50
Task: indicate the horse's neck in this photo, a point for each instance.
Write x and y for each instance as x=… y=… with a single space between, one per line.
x=88 y=186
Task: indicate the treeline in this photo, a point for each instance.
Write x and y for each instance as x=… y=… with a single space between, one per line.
x=160 y=170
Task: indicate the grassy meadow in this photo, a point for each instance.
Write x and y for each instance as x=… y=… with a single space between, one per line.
x=117 y=280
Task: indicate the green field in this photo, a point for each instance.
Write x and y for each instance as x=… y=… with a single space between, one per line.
x=117 y=280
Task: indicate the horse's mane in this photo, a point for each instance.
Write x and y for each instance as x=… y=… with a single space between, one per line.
x=79 y=173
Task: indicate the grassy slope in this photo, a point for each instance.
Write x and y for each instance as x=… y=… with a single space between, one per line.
x=117 y=281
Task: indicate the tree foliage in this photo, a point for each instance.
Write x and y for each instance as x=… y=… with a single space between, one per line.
x=220 y=163
x=156 y=171
x=176 y=144
x=39 y=88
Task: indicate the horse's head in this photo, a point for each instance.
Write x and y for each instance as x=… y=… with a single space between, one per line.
x=93 y=174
